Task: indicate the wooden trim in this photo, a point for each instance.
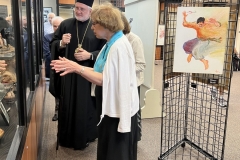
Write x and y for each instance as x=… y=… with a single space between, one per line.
x=67 y=2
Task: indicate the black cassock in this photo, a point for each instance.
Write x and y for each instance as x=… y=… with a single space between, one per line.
x=77 y=112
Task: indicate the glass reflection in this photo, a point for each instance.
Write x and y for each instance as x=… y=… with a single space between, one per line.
x=29 y=45
x=25 y=48
x=33 y=37
x=8 y=91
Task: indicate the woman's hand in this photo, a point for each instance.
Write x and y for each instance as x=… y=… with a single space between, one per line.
x=64 y=65
x=2 y=65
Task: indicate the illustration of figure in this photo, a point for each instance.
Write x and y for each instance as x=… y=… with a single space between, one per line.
x=161 y=33
x=206 y=33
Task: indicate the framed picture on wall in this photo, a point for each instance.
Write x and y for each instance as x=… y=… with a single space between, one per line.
x=160 y=35
x=46 y=11
x=3 y=11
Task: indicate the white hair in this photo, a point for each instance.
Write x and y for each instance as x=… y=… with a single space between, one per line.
x=51 y=13
x=57 y=18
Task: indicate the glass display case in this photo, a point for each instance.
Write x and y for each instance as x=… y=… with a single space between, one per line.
x=8 y=80
x=20 y=22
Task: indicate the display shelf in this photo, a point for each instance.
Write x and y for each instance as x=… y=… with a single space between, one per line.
x=7 y=56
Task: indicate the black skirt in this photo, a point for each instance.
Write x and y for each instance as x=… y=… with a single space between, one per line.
x=113 y=145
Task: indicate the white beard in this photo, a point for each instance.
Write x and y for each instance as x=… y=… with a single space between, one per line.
x=82 y=19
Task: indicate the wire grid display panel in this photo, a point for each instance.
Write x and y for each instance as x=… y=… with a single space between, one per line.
x=195 y=124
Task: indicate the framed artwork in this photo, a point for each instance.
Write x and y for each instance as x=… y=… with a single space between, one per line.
x=160 y=35
x=201 y=37
x=46 y=11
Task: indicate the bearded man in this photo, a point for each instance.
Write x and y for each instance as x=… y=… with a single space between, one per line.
x=77 y=124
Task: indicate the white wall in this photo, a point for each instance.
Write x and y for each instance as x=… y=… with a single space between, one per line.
x=144 y=24
x=50 y=3
x=237 y=41
x=96 y=2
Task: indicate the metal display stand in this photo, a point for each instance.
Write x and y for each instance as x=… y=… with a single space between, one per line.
x=3 y=111
x=195 y=124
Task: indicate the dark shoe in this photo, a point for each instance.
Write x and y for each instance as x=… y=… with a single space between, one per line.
x=55 y=117
x=87 y=144
x=91 y=140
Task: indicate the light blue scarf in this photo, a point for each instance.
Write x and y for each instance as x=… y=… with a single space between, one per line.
x=100 y=62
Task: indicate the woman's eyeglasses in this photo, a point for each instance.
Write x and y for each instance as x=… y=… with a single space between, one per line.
x=94 y=23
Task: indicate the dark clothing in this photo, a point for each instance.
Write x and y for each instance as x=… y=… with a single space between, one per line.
x=7 y=31
x=26 y=55
x=77 y=110
x=8 y=34
x=236 y=61
x=55 y=79
x=46 y=53
x=113 y=145
x=139 y=115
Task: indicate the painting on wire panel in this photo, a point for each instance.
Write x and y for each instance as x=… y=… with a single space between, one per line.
x=200 y=39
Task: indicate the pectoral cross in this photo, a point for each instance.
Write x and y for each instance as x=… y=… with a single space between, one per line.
x=79 y=47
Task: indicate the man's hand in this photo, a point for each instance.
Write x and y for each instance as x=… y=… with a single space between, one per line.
x=215 y=22
x=212 y=20
x=219 y=40
x=82 y=55
x=66 y=38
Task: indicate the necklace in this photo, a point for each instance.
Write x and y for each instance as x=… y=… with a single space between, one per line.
x=80 y=44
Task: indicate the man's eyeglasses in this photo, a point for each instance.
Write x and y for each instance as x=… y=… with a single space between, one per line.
x=79 y=9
